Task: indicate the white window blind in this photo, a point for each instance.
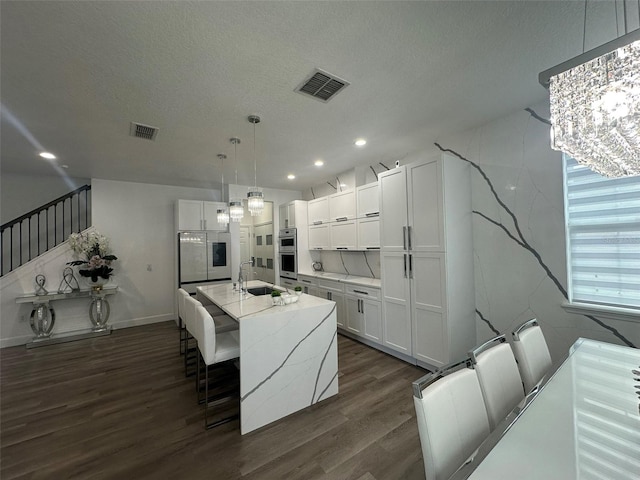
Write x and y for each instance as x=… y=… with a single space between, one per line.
x=603 y=237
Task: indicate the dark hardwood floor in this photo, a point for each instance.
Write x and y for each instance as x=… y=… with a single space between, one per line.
x=120 y=407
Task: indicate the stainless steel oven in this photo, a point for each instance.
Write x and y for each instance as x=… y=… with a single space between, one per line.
x=288 y=253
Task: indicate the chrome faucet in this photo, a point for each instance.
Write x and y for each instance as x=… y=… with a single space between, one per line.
x=241 y=278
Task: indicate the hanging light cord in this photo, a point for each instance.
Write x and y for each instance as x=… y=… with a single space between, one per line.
x=584 y=26
x=255 y=163
x=222 y=169
x=235 y=157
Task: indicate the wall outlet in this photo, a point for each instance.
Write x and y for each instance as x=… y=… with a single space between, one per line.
x=149 y=269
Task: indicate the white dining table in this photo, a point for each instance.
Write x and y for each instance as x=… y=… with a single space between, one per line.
x=584 y=423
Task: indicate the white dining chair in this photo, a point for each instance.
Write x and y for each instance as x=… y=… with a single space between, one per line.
x=531 y=352
x=452 y=418
x=499 y=378
x=216 y=349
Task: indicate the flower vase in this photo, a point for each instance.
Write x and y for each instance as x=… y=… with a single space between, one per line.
x=97 y=284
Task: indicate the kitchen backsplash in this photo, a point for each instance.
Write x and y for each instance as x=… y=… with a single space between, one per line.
x=360 y=264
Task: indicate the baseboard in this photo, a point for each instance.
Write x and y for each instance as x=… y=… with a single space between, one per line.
x=377 y=346
x=15 y=341
x=135 y=322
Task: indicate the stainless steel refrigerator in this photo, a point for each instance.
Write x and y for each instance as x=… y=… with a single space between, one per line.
x=203 y=257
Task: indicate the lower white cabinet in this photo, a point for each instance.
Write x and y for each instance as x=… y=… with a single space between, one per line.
x=364 y=312
x=335 y=297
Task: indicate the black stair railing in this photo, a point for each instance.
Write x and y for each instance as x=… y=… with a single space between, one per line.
x=43 y=228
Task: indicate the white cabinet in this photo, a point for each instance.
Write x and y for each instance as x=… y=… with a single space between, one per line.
x=334 y=291
x=309 y=284
x=318 y=211
x=343 y=235
x=368 y=233
x=367 y=200
x=319 y=237
x=363 y=310
x=426 y=262
x=342 y=206
x=198 y=215
x=288 y=216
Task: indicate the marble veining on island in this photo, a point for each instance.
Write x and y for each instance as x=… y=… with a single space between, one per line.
x=288 y=354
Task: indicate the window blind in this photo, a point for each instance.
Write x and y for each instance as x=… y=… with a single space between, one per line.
x=602 y=216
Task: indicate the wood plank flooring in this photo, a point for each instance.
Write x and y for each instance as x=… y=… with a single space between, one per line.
x=119 y=407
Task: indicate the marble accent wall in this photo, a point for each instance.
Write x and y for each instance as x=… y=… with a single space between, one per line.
x=360 y=264
x=519 y=233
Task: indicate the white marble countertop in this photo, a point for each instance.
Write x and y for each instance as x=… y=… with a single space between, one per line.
x=238 y=306
x=350 y=279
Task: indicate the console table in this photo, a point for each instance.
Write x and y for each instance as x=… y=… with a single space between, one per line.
x=43 y=315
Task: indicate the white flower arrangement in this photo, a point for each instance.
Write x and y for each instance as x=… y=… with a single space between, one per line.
x=95 y=248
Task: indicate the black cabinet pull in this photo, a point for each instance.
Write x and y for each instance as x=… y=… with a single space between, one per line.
x=372 y=214
x=360 y=291
x=341 y=219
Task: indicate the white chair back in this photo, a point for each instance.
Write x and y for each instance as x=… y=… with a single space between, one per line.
x=532 y=353
x=452 y=419
x=182 y=295
x=205 y=333
x=499 y=378
x=190 y=305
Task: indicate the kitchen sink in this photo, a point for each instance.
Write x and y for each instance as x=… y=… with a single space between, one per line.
x=257 y=291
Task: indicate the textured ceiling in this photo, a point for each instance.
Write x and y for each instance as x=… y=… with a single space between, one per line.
x=75 y=74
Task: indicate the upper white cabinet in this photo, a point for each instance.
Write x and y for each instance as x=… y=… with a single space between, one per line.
x=426 y=262
x=293 y=214
x=368 y=233
x=343 y=235
x=367 y=204
x=342 y=206
x=318 y=210
x=198 y=215
x=319 y=237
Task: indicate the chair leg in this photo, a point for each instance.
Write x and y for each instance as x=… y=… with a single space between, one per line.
x=188 y=359
x=229 y=394
x=181 y=330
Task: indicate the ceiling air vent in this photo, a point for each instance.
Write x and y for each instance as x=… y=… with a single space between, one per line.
x=143 y=131
x=321 y=85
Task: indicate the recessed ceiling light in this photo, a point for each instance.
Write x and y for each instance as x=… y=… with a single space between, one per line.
x=360 y=142
x=343 y=185
x=47 y=155
x=318 y=163
x=291 y=176
x=64 y=166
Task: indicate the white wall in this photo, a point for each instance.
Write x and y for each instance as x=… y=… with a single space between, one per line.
x=22 y=193
x=139 y=219
x=511 y=285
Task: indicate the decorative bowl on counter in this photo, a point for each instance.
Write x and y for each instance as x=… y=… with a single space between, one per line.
x=288 y=298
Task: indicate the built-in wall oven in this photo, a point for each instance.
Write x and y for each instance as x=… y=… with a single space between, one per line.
x=288 y=253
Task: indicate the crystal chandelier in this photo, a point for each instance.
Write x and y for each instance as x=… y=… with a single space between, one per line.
x=223 y=214
x=255 y=199
x=236 y=210
x=595 y=107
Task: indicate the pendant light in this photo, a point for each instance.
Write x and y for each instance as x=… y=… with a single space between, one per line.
x=594 y=103
x=236 y=210
x=254 y=196
x=223 y=214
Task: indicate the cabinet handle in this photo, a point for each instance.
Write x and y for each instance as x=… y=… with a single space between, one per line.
x=372 y=214
x=306 y=281
x=341 y=219
x=410 y=266
x=360 y=291
x=342 y=248
x=317 y=248
x=405 y=265
x=205 y=224
x=358 y=305
x=329 y=296
x=409 y=235
x=404 y=237
x=373 y=248
x=318 y=222
x=362 y=306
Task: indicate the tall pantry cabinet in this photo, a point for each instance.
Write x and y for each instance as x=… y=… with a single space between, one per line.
x=426 y=259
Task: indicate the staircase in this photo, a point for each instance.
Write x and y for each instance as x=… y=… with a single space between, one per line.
x=39 y=230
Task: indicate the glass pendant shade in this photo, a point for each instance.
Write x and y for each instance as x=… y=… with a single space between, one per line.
x=223 y=216
x=255 y=201
x=595 y=112
x=236 y=210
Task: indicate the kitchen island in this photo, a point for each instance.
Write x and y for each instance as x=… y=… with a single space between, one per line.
x=288 y=354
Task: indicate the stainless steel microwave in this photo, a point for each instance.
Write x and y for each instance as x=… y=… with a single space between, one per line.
x=287 y=240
